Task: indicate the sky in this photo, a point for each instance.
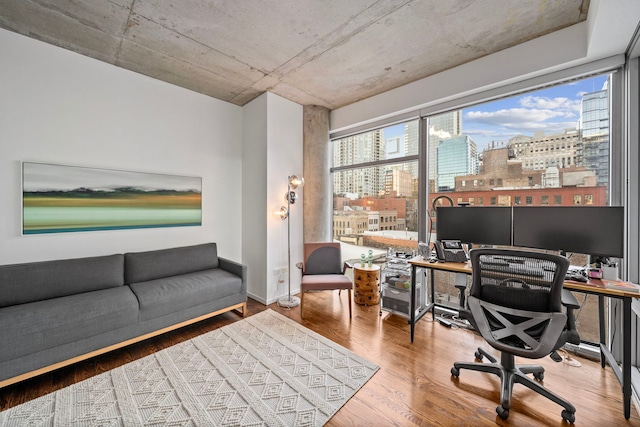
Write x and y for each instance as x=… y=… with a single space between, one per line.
x=47 y=177
x=551 y=110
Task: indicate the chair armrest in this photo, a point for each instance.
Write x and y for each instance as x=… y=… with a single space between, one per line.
x=569 y=301
x=346 y=265
x=570 y=334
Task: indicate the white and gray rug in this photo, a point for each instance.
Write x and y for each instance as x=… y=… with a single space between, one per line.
x=265 y=370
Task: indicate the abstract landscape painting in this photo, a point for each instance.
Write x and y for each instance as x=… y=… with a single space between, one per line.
x=62 y=199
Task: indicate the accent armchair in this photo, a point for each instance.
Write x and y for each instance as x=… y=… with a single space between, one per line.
x=322 y=270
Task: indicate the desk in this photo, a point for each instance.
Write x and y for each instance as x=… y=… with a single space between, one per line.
x=593 y=287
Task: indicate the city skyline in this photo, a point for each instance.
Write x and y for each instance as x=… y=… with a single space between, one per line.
x=551 y=110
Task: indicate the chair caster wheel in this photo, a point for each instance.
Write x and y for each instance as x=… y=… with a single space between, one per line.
x=478 y=355
x=455 y=372
x=502 y=413
x=569 y=417
x=539 y=376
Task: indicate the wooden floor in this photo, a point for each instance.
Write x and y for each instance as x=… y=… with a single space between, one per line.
x=413 y=386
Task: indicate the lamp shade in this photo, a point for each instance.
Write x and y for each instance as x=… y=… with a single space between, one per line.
x=282 y=213
x=296 y=181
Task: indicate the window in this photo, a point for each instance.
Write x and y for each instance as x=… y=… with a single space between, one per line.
x=495 y=146
x=375 y=174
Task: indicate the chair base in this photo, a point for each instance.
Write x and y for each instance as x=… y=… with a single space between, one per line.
x=511 y=373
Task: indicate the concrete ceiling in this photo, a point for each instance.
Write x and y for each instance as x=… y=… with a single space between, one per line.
x=314 y=52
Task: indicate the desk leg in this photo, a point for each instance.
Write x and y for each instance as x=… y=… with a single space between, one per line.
x=626 y=356
x=433 y=294
x=412 y=301
x=603 y=331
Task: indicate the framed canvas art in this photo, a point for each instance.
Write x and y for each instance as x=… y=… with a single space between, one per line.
x=62 y=199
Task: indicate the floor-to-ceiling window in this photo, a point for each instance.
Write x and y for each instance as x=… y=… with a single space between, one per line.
x=549 y=147
x=375 y=190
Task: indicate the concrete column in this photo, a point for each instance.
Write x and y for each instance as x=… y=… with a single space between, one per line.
x=318 y=188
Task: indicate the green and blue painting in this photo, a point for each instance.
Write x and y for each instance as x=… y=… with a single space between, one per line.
x=62 y=199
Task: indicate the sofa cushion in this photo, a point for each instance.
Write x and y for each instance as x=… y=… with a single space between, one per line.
x=37 y=281
x=150 y=265
x=172 y=294
x=41 y=325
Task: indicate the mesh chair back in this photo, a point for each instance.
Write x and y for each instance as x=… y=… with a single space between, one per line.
x=512 y=286
x=322 y=258
x=519 y=279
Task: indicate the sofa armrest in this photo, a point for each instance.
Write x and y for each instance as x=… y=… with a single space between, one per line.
x=236 y=268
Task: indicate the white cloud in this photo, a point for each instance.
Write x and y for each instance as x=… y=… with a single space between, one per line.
x=561 y=103
x=440 y=133
x=534 y=113
x=514 y=118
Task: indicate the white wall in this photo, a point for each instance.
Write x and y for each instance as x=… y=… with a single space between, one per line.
x=272 y=151
x=284 y=158
x=60 y=107
x=254 y=196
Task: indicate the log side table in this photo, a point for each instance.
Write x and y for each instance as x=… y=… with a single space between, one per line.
x=366 y=282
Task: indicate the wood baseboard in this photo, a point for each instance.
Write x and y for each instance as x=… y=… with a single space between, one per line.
x=240 y=308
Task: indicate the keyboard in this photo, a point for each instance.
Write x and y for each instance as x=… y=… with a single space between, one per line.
x=455 y=256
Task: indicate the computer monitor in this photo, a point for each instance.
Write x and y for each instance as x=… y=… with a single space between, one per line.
x=591 y=230
x=484 y=225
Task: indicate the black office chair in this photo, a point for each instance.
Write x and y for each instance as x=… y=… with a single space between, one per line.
x=515 y=303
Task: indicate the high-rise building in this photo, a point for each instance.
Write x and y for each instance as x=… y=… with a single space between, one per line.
x=361 y=148
x=544 y=151
x=594 y=120
x=411 y=144
x=398 y=182
x=441 y=126
x=394 y=147
x=456 y=156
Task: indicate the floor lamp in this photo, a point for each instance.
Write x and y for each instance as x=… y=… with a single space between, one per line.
x=285 y=212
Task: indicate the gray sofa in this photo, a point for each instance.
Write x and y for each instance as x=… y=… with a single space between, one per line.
x=54 y=313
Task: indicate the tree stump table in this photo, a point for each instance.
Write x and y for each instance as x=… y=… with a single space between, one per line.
x=366 y=281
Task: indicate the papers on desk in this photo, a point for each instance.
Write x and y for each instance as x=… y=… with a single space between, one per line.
x=620 y=285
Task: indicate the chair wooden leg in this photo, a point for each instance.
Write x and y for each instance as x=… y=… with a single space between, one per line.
x=349 y=303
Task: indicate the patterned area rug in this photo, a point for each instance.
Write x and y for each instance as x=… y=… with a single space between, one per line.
x=265 y=370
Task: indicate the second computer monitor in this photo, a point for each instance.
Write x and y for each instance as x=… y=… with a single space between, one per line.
x=591 y=230
x=490 y=225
